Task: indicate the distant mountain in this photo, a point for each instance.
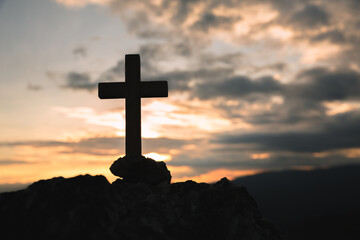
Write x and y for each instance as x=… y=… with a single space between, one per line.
x=317 y=204
x=12 y=187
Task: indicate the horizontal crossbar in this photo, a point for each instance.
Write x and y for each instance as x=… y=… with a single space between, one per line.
x=112 y=90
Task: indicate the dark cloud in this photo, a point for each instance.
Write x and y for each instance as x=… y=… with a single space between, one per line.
x=209 y=21
x=237 y=87
x=227 y=59
x=277 y=116
x=114 y=74
x=179 y=79
x=96 y=146
x=279 y=66
x=183 y=9
x=275 y=161
x=83 y=81
x=183 y=49
x=12 y=162
x=101 y=145
x=334 y=36
x=175 y=17
x=302 y=99
x=339 y=132
x=80 y=51
x=151 y=54
x=34 y=144
x=236 y=60
x=322 y=84
x=34 y=87
x=79 y=81
x=311 y=16
x=286 y=161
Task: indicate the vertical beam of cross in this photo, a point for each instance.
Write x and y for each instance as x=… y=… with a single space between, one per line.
x=132 y=90
x=133 y=105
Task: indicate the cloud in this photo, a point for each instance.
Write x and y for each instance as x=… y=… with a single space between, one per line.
x=83 y=81
x=339 y=132
x=237 y=87
x=115 y=73
x=335 y=36
x=102 y=146
x=79 y=81
x=34 y=87
x=12 y=162
x=179 y=80
x=325 y=85
x=310 y=16
x=265 y=100
x=209 y=21
x=34 y=143
x=80 y=51
x=277 y=160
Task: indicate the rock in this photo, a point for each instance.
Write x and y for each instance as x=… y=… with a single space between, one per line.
x=141 y=170
x=89 y=207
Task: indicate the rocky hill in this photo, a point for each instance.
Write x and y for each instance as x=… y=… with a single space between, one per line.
x=89 y=207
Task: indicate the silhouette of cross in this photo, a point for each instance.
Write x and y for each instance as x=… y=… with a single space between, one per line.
x=132 y=90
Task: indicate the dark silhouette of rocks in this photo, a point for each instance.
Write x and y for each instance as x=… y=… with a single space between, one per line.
x=89 y=207
x=140 y=169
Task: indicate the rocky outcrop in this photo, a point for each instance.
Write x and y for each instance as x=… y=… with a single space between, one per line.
x=139 y=169
x=89 y=207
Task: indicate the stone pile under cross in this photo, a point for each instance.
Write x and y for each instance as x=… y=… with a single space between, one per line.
x=132 y=90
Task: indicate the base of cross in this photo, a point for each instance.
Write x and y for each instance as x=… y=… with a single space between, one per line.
x=139 y=169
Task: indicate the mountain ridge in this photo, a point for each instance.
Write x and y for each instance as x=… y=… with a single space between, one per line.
x=296 y=200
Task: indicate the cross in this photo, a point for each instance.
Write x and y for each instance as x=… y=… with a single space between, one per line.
x=132 y=90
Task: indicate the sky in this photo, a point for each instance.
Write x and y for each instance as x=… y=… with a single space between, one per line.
x=253 y=85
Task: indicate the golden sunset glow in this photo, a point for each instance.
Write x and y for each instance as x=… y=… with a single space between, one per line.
x=158 y=157
x=320 y=52
x=216 y=175
x=280 y=33
x=334 y=108
x=89 y=116
x=260 y=155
